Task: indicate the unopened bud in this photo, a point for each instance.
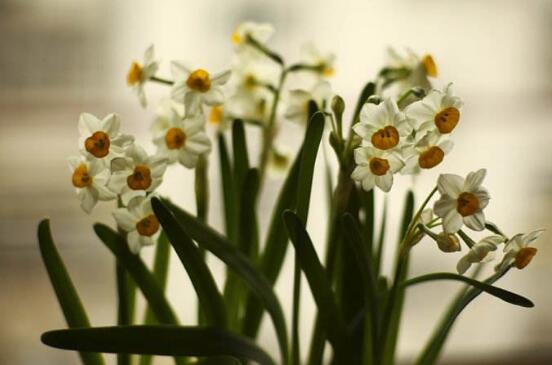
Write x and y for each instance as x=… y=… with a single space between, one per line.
x=448 y=242
x=338 y=105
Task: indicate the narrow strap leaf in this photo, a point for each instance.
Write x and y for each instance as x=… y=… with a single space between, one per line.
x=212 y=241
x=67 y=295
x=126 y=297
x=219 y=360
x=241 y=157
x=230 y=213
x=204 y=284
x=158 y=340
x=319 y=284
x=160 y=271
x=500 y=293
x=139 y=272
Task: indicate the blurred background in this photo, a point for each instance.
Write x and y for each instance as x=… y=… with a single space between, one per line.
x=59 y=58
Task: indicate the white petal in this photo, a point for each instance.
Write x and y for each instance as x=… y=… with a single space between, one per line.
x=133 y=240
x=474 y=180
x=117 y=182
x=450 y=184
x=360 y=173
x=88 y=198
x=88 y=124
x=452 y=222
x=221 y=78
x=192 y=102
x=385 y=182
x=213 y=96
x=463 y=265
x=111 y=125
x=368 y=182
x=187 y=159
x=444 y=205
x=104 y=194
x=475 y=221
x=124 y=219
x=128 y=194
x=179 y=70
x=483 y=197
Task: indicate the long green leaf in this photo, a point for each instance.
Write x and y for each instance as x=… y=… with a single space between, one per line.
x=204 y=284
x=212 y=241
x=322 y=292
x=433 y=348
x=275 y=248
x=500 y=293
x=160 y=272
x=158 y=340
x=219 y=360
x=241 y=157
x=67 y=295
x=139 y=272
x=126 y=298
x=230 y=213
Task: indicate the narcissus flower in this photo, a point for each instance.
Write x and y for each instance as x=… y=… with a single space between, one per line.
x=383 y=125
x=90 y=177
x=410 y=70
x=298 y=107
x=102 y=138
x=479 y=253
x=323 y=62
x=136 y=173
x=462 y=201
x=427 y=153
x=195 y=87
x=438 y=111
x=517 y=250
x=261 y=32
x=140 y=223
x=138 y=74
x=181 y=140
x=375 y=168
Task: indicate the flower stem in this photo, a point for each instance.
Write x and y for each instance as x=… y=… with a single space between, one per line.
x=161 y=80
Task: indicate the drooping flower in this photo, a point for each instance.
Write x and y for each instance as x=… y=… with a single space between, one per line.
x=139 y=74
x=438 y=111
x=448 y=242
x=90 y=177
x=102 y=138
x=479 y=253
x=462 y=201
x=324 y=62
x=136 y=173
x=383 y=125
x=427 y=153
x=298 y=107
x=196 y=87
x=410 y=70
x=140 y=223
x=517 y=250
x=261 y=32
x=375 y=168
x=181 y=140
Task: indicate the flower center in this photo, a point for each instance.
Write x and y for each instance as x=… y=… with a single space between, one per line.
x=80 y=178
x=431 y=157
x=98 y=144
x=429 y=66
x=386 y=138
x=379 y=166
x=148 y=226
x=447 y=119
x=327 y=71
x=134 y=73
x=236 y=37
x=175 y=138
x=216 y=115
x=140 y=179
x=467 y=204
x=524 y=257
x=199 y=80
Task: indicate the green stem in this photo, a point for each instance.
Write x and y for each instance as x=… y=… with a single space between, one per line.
x=125 y=296
x=161 y=80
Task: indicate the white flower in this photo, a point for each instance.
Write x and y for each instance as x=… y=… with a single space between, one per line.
x=196 y=87
x=383 y=125
x=375 y=167
x=139 y=222
x=462 y=201
x=136 y=174
x=427 y=153
x=181 y=140
x=413 y=70
x=518 y=251
x=479 y=253
x=438 y=111
x=90 y=177
x=138 y=74
x=102 y=138
x=220 y=118
x=261 y=32
x=324 y=62
x=298 y=108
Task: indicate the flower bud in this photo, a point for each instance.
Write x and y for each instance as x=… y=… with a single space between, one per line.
x=448 y=242
x=338 y=105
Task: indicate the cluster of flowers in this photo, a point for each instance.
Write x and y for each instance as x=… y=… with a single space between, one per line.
x=394 y=134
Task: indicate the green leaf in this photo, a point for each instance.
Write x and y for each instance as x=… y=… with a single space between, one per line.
x=320 y=286
x=160 y=271
x=505 y=295
x=139 y=272
x=67 y=295
x=204 y=284
x=367 y=206
x=381 y=240
x=219 y=360
x=126 y=297
x=230 y=212
x=158 y=340
x=275 y=247
x=212 y=241
x=434 y=346
x=201 y=187
x=367 y=91
x=241 y=157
